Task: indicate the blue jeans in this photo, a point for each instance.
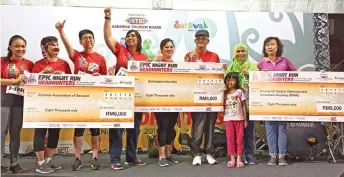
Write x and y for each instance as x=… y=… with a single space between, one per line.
x=115 y=141
x=248 y=140
x=277 y=137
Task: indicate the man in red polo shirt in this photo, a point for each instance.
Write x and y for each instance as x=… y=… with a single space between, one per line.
x=90 y=62
x=203 y=122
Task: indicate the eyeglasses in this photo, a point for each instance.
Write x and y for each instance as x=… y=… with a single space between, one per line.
x=87 y=37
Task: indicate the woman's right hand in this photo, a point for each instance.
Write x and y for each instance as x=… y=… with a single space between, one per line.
x=107 y=12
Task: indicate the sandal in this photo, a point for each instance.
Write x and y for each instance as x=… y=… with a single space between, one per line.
x=230 y=164
x=240 y=165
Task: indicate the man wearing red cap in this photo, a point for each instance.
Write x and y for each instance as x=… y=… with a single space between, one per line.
x=203 y=123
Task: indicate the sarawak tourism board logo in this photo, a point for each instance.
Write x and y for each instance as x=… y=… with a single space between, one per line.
x=202 y=25
x=136 y=22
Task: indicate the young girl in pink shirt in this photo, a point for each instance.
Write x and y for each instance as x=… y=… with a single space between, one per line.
x=235 y=118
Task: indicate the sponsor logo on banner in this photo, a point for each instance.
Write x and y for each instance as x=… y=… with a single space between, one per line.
x=31 y=79
x=323 y=75
x=301 y=125
x=63 y=150
x=80 y=125
x=134 y=67
x=67 y=125
x=202 y=67
x=136 y=22
x=108 y=79
x=190 y=26
x=338 y=78
x=54 y=125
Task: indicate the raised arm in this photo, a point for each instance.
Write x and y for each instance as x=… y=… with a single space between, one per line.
x=109 y=40
x=70 y=50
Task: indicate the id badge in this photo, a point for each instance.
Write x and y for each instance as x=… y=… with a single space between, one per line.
x=122 y=72
x=16 y=90
x=82 y=73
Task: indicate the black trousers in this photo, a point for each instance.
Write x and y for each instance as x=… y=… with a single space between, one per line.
x=203 y=123
x=115 y=141
x=38 y=139
x=166 y=122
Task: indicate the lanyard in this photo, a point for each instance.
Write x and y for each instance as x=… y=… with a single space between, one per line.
x=128 y=55
x=12 y=73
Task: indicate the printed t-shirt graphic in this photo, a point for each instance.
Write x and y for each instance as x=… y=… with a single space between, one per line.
x=89 y=63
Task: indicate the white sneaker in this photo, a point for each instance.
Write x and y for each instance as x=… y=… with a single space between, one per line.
x=197 y=160
x=211 y=159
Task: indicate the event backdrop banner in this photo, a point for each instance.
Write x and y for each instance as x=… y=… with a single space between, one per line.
x=297 y=96
x=296 y=30
x=78 y=101
x=177 y=87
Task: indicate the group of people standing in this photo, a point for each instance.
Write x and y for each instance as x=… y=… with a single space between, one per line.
x=90 y=62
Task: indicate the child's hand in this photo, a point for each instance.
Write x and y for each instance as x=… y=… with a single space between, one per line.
x=245 y=123
x=224 y=89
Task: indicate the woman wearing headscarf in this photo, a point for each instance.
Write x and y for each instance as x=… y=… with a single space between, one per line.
x=242 y=65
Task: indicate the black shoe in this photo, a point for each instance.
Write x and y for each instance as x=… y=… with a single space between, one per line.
x=17 y=169
x=76 y=165
x=95 y=164
x=4 y=170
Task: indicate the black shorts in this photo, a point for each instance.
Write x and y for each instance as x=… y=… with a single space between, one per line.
x=79 y=132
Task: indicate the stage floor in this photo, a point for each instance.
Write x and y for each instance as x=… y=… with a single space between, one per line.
x=185 y=169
